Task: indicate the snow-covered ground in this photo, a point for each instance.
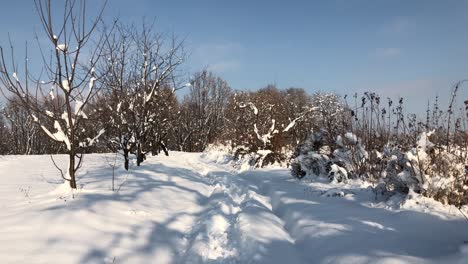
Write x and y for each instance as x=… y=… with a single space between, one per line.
x=186 y=208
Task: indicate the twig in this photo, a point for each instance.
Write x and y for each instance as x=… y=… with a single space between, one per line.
x=125 y=180
x=58 y=168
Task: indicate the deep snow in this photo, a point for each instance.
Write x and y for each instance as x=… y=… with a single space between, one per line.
x=187 y=208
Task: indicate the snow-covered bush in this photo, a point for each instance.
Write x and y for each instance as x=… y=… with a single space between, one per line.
x=435 y=173
x=440 y=173
x=296 y=170
x=351 y=155
x=315 y=163
x=397 y=172
x=240 y=157
x=347 y=160
x=260 y=158
x=311 y=157
x=337 y=173
x=425 y=168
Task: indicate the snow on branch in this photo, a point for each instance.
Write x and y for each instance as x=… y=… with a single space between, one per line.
x=58 y=136
x=266 y=138
x=293 y=122
x=252 y=106
x=90 y=141
x=66 y=85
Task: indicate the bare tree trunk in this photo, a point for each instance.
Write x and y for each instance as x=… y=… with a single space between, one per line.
x=126 y=159
x=164 y=148
x=71 y=170
x=139 y=154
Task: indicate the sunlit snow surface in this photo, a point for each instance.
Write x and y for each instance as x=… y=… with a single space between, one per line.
x=186 y=208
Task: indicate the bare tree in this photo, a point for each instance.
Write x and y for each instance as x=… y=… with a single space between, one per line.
x=143 y=77
x=204 y=108
x=68 y=73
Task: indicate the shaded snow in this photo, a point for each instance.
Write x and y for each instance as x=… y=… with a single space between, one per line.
x=187 y=209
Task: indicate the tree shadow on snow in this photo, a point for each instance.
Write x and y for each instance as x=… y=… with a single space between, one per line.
x=149 y=239
x=331 y=229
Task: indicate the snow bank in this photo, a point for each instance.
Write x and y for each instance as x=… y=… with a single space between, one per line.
x=218 y=153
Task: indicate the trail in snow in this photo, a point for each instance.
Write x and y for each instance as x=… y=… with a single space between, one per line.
x=188 y=209
x=239 y=225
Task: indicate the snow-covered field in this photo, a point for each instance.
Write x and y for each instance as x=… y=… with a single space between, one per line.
x=186 y=208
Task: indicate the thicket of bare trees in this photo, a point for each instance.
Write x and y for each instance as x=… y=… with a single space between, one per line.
x=202 y=112
x=268 y=122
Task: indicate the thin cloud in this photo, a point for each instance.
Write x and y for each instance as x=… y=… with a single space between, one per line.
x=218 y=57
x=397 y=25
x=224 y=66
x=387 y=52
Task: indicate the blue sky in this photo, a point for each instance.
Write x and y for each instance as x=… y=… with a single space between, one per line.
x=415 y=49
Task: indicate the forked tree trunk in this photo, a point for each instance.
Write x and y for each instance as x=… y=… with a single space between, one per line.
x=164 y=148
